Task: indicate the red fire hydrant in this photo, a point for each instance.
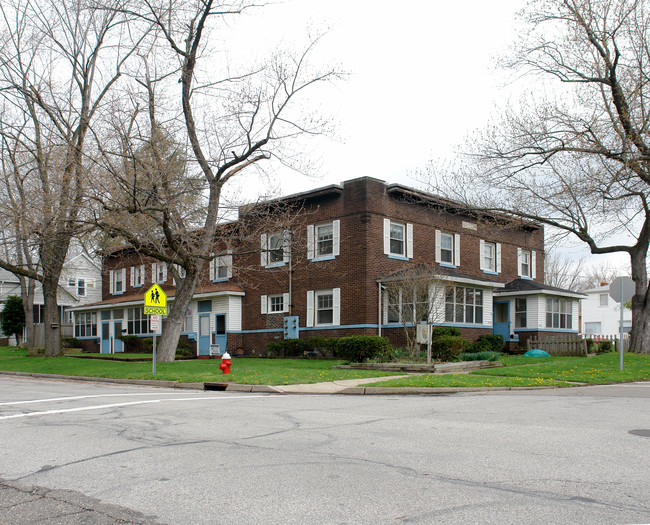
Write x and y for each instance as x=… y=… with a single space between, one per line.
x=225 y=363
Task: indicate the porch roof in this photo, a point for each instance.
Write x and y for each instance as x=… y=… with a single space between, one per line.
x=529 y=287
x=420 y=271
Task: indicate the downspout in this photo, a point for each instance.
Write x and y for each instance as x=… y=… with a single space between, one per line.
x=379 y=309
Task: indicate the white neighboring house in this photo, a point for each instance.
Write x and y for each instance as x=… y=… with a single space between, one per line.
x=601 y=314
x=9 y=285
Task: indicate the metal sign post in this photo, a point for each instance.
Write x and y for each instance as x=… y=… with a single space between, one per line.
x=155 y=305
x=621 y=290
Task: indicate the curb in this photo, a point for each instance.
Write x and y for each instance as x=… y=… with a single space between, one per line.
x=268 y=389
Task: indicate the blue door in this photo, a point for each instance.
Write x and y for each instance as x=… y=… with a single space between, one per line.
x=204 y=334
x=106 y=338
x=117 y=333
x=501 y=325
x=220 y=337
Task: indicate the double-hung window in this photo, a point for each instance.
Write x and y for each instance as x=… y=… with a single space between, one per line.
x=324 y=307
x=221 y=267
x=520 y=312
x=117 y=281
x=137 y=275
x=490 y=254
x=447 y=249
x=398 y=239
x=323 y=240
x=604 y=299
x=159 y=273
x=559 y=313
x=526 y=262
x=274 y=248
x=275 y=304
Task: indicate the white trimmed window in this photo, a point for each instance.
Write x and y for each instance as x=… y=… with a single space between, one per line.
x=323 y=240
x=447 y=249
x=117 y=281
x=137 y=322
x=398 y=239
x=521 y=306
x=490 y=256
x=137 y=275
x=604 y=299
x=526 y=263
x=85 y=324
x=463 y=305
x=274 y=248
x=221 y=267
x=159 y=273
x=559 y=313
x=324 y=307
x=275 y=304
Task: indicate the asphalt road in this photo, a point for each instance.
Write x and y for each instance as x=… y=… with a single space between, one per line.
x=98 y=453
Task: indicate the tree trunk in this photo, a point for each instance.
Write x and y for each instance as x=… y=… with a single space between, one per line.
x=166 y=349
x=640 y=333
x=52 y=318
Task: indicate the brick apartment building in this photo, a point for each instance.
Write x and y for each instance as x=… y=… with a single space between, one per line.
x=325 y=268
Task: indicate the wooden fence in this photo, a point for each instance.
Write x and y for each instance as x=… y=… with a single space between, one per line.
x=614 y=339
x=559 y=345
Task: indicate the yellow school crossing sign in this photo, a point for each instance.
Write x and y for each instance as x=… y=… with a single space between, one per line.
x=155 y=301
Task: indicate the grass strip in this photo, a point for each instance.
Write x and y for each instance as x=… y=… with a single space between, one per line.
x=466 y=380
x=256 y=371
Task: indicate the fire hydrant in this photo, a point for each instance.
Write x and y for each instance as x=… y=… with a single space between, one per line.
x=225 y=363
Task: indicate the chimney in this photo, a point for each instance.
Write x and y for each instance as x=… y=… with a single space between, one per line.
x=603 y=283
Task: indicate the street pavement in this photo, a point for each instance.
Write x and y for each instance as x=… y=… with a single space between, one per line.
x=95 y=452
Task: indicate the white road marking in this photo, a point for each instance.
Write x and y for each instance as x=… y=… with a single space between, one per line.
x=72 y=398
x=113 y=405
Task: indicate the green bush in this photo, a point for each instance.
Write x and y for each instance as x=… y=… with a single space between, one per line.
x=444 y=331
x=488 y=343
x=479 y=356
x=360 y=348
x=604 y=347
x=590 y=345
x=448 y=348
x=183 y=349
x=287 y=348
x=324 y=346
x=70 y=342
x=136 y=345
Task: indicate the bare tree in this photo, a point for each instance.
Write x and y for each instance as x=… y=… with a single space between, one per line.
x=415 y=295
x=578 y=159
x=231 y=122
x=59 y=60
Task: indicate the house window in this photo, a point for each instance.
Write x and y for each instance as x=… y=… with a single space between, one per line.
x=137 y=275
x=489 y=256
x=324 y=308
x=393 y=305
x=604 y=299
x=277 y=303
x=525 y=263
x=463 y=305
x=447 y=249
x=137 y=323
x=221 y=267
x=408 y=305
x=324 y=240
x=81 y=287
x=558 y=313
x=85 y=324
x=159 y=273
x=398 y=239
x=275 y=248
x=520 y=313
x=593 y=328
x=187 y=321
x=118 y=278
x=72 y=282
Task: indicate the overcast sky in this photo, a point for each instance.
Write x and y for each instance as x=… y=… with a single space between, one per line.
x=422 y=77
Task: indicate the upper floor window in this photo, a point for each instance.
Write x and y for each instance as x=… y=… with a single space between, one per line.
x=447 y=249
x=81 y=287
x=604 y=299
x=490 y=256
x=323 y=240
x=159 y=273
x=559 y=313
x=137 y=275
x=398 y=239
x=274 y=248
x=117 y=281
x=526 y=263
x=324 y=307
x=221 y=267
x=463 y=305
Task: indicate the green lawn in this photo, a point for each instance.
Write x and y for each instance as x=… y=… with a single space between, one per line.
x=541 y=371
x=244 y=371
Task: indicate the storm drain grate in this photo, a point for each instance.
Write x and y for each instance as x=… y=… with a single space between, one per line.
x=215 y=386
x=645 y=432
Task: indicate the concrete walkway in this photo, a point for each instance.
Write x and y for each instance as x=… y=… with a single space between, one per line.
x=334 y=387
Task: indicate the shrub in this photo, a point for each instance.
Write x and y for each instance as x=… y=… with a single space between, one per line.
x=359 y=348
x=287 y=348
x=325 y=346
x=590 y=345
x=444 y=331
x=136 y=345
x=183 y=349
x=70 y=342
x=604 y=347
x=488 y=343
x=448 y=348
x=479 y=356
